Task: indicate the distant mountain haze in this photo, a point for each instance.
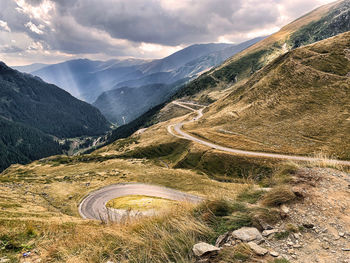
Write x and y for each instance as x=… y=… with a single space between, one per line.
x=30 y=68
x=86 y=79
x=125 y=104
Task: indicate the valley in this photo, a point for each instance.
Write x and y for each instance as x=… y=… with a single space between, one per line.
x=217 y=153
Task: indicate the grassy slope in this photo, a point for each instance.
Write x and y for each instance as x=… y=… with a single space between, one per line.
x=243 y=65
x=300 y=103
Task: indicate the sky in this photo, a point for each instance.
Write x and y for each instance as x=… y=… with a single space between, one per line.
x=50 y=31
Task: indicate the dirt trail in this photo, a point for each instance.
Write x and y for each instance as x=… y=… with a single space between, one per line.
x=176 y=130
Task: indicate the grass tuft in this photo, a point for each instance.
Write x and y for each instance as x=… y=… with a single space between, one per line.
x=278 y=196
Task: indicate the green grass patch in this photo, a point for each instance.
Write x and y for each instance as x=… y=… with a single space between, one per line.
x=251 y=196
x=282 y=235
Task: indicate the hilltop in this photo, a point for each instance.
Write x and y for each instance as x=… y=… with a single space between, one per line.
x=298 y=104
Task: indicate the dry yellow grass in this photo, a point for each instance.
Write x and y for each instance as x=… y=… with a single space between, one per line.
x=140 y=203
x=298 y=104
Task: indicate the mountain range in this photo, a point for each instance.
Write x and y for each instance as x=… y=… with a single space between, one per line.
x=88 y=80
x=216 y=84
x=260 y=145
x=33 y=112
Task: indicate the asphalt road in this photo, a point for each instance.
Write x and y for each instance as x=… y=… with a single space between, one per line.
x=181 y=134
x=93 y=206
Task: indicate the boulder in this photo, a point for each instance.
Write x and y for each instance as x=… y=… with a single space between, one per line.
x=247 y=234
x=260 y=251
x=203 y=249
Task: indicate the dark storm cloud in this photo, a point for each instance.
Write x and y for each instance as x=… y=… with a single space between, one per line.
x=120 y=27
x=63 y=33
x=152 y=22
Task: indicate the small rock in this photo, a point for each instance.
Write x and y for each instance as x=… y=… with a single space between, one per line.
x=296 y=235
x=299 y=192
x=325 y=246
x=258 y=249
x=221 y=240
x=202 y=249
x=247 y=234
x=4 y=260
x=267 y=233
x=284 y=209
x=309 y=226
x=341 y=234
x=274 y=254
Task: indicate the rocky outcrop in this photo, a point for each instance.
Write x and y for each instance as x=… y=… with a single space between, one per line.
x=204 y=249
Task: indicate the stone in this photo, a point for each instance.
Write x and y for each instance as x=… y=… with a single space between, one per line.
x=267 y=233
x=274 y=254
x=341 y=234
x=4 y=260
x=247 y=234
x=284 y=209
x=298 y=191
x=309 y=226
x=221 y=240
x=202 y=249
x=260 y=251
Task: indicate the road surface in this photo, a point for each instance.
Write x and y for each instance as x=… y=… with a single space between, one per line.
x=93 y=206
x=181 y=134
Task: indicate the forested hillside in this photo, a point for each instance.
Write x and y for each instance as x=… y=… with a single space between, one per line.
x=32 y=112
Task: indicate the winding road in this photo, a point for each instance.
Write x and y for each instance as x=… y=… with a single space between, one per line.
x=176 y=130
x=93 y=205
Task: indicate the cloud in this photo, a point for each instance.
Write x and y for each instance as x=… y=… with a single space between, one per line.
x=4 y=26
x=168 y=23
x=10 y=49
x=34 y=28
x=139 y=28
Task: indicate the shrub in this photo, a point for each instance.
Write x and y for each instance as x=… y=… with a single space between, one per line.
x=217 y=207
x=278 y=196
x=250 y=196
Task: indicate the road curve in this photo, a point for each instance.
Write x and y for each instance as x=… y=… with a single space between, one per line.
x=181 y=134
x=93 y=206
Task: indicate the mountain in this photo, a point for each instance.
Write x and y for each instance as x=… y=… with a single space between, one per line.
x=86 y=79
x=298 y=104
x=22 y=144
x=182 y=57
x=170 y=69
x=324 y=22
x=32 y=112
x=31 y=101
x=125 y=104
x=30 y=68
